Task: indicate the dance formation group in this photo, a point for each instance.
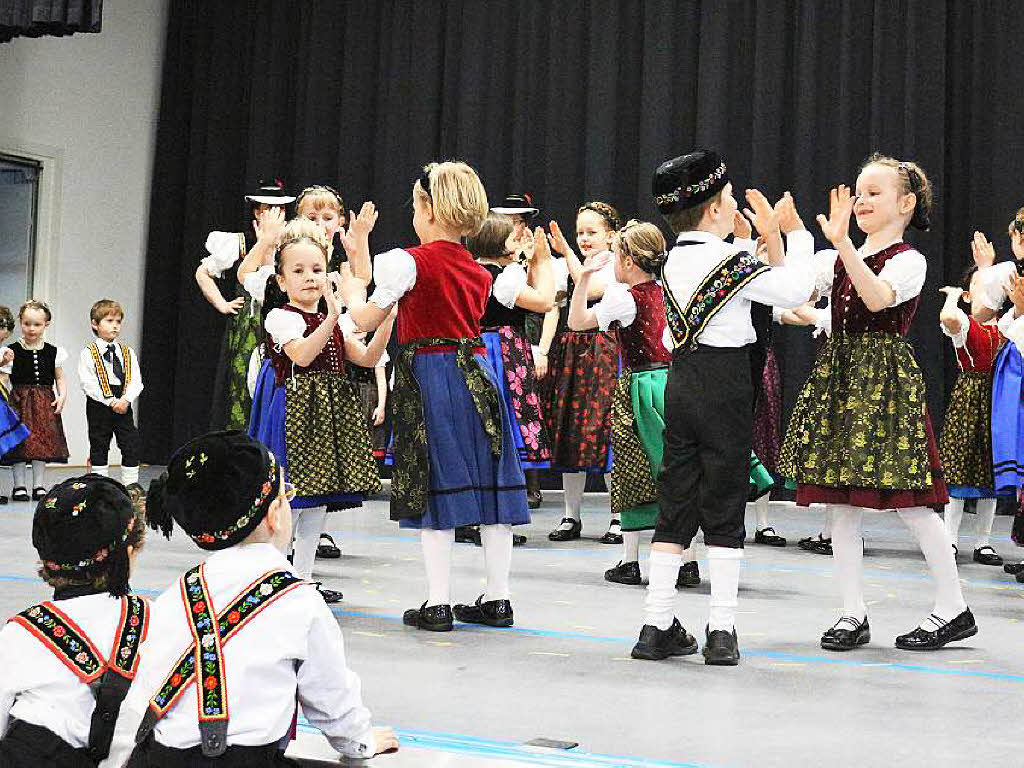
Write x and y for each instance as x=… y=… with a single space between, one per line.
x=648 y=363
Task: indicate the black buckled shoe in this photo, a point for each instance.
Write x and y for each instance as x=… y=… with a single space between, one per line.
x=689 y=575
x=329 y=595
x=614 y=533
x=3 y=499
x=329 y=550
x=1020 y=577
x=518 y=539
x=20 y=493
x=566 y=534
x=467 y=534
x=492 y=613
x=818 y=544
x=843 y=638
x=657 y=644
x=624 y=573
x=534 y=500
x=434 y=618
x=771 y=539
x=960 y=628
x=987 y=556
x=38 y=493
x=1013 y=568
x=721 y=648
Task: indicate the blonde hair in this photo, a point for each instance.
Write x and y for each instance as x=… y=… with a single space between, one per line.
x=456 y=194
x=644 y=243
x=320 y=196
x=912 y=180
x=300 y=230
x=610 y=214
x=42 y=306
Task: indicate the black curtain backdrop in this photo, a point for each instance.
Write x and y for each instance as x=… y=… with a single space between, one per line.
x=571 y=101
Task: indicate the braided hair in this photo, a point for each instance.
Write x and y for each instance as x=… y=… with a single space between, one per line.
x=610 y=214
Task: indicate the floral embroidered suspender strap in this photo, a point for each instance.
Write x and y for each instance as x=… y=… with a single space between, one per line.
x=714 y=292
x=101 y=369
x=65 y=639
x=205 y=653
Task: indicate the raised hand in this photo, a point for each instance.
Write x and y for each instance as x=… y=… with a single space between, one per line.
x=1016 y=293
x=789 y=218
x=740 y=226
x=982 y=251
x=596 y=263
x=951 y=290
x=359 y=228
x=760 y=213
x=327 y=290
x=558 y=242
x=269 y=225
x=541 y=250
x=836 y=227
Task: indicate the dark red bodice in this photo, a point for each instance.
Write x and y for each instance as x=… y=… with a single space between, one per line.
x=330 y=359
x=980 y=350
x=449 y=296
x=641 y=342
x=849 y=312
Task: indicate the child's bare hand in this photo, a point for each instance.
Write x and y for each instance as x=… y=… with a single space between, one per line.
x=558 y=242
x=982 y=251
x=58 y=404
x=836 y=227
x=385 y=741
x=740 y=226
x=269 y=225
x=761 y=214
x=378 y=415
x=231 y=307
x=951 y=290
x=789 y=218
x=596 y=263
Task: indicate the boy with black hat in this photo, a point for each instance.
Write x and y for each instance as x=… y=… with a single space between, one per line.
x=67 y=663
x=242 y=625
x=709 y=286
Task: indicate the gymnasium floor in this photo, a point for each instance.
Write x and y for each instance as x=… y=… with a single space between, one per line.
x=476 y=696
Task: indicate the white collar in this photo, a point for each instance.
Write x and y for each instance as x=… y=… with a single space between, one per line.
x=699 y=236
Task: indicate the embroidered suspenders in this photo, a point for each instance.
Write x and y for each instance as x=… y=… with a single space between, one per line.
x=203 y=661
x=108 y=678
x=713 y=293
x=101 y=369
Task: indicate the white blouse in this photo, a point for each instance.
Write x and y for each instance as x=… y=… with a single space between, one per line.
x=223 y=249
x=509 y=283
x=617 y=304
x=394 y=274
x=905 y=273
x=991 y=280
x=959 y=339
x=284 y=326
x=255 y=283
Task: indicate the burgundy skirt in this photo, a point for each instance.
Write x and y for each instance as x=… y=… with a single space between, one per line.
x=46 y=440
x=767 y=437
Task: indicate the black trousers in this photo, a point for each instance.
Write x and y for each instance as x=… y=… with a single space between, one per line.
x=705 y=468
x=31 y=746
x=152 y=754
x=104 y=424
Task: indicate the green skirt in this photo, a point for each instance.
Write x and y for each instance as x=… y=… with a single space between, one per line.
x=243 y=335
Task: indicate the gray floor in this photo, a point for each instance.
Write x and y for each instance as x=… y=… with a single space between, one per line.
x=474 y=696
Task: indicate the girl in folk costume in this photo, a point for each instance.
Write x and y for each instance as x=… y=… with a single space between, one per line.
x=12 y=431
x=860 y=436
x=634 y=309
x=37 y=371
x=455 y=455
x=231 y=399
x=305 y=409
x=516 y=290
x=966 y=441
x=582 y=368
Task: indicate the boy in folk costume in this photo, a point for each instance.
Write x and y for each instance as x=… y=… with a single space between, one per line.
x=709 y=286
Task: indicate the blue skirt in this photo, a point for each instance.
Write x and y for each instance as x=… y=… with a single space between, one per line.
x=12 y=431
x=468 y=484
x=266 y=424
x=1007 y=422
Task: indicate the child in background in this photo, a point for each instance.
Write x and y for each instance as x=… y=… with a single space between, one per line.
x=37 y=373
x=12 y=431
x=110 y=376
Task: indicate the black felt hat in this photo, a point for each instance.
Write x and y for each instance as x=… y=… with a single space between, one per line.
x=688 y=180
x=517 y=205
x=269 y=192
x=81 y=527
x=217 y=487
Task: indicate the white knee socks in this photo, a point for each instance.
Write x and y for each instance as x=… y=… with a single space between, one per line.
x=573 y=484
x=19 y=475
x=630 y=546
x=826 y=531
x=497 y=545
x=38 y=474
x=951 y=518
x=724 y=574
x=306 y=529
x=437 y=560
x=761 y=513
x=661 y=588
x=848 y=556
x=104 y=470
x=983 y=525
x=690 y=554
x=935 y=546
x=129 y=475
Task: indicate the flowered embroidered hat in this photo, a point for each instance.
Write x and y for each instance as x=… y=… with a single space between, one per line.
x=80 y=530
x=688 y=180
x=217 y=488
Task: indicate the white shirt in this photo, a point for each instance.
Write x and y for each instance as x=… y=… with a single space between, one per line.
x=617 y=304
x=905 y=273
x=992 y=280
x=223 y=249
x=960 y=339
x=1012 y=328
x=35 y=685
x=284 y=326
x=787 y=286
x=293 y=643
x=509 y=283
x=91 y=384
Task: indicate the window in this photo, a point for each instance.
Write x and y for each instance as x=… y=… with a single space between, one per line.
x=19 y=206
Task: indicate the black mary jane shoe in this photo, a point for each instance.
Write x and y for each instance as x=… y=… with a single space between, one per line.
x=960 y=628
x=566 y=534
x=467 y=534
x=4 y=500
x=841 y=638
x=518 y=539
x=328 y=551
x=1020 y=577
x=721 y=649
x=689 y=575
x=534 y=500
x=822 y=546
x=1013 y=568
x=771 y=539
x=329 y=595
x=657 y=644
x=434 y=618
x=38 y=493
x=625 y=573
x=492 y=613
x=610 y=537
x=987 y=556
x=20 y=494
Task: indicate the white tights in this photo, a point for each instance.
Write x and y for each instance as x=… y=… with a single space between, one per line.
x=986 y=516
x=306 y=528
x=437 y=561
x=38 y=474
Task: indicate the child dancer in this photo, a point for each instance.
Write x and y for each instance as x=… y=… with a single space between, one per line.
x=36 y=372
x=965 y=444
x=633 y=307
x=305 y=409
x=709 y=286
x=860 y=436
x=12 y=431
x=264 y=640
x=111 y=378
x=455 y=455
x=582 y=368
x=68 y=662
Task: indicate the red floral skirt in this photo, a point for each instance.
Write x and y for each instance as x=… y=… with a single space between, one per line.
x=46 y=441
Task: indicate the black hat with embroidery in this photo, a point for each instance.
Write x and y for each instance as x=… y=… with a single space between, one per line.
x=217 y=488
x=270 y=192
x=521 y=205
x=687 y=181
x=81 y=529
